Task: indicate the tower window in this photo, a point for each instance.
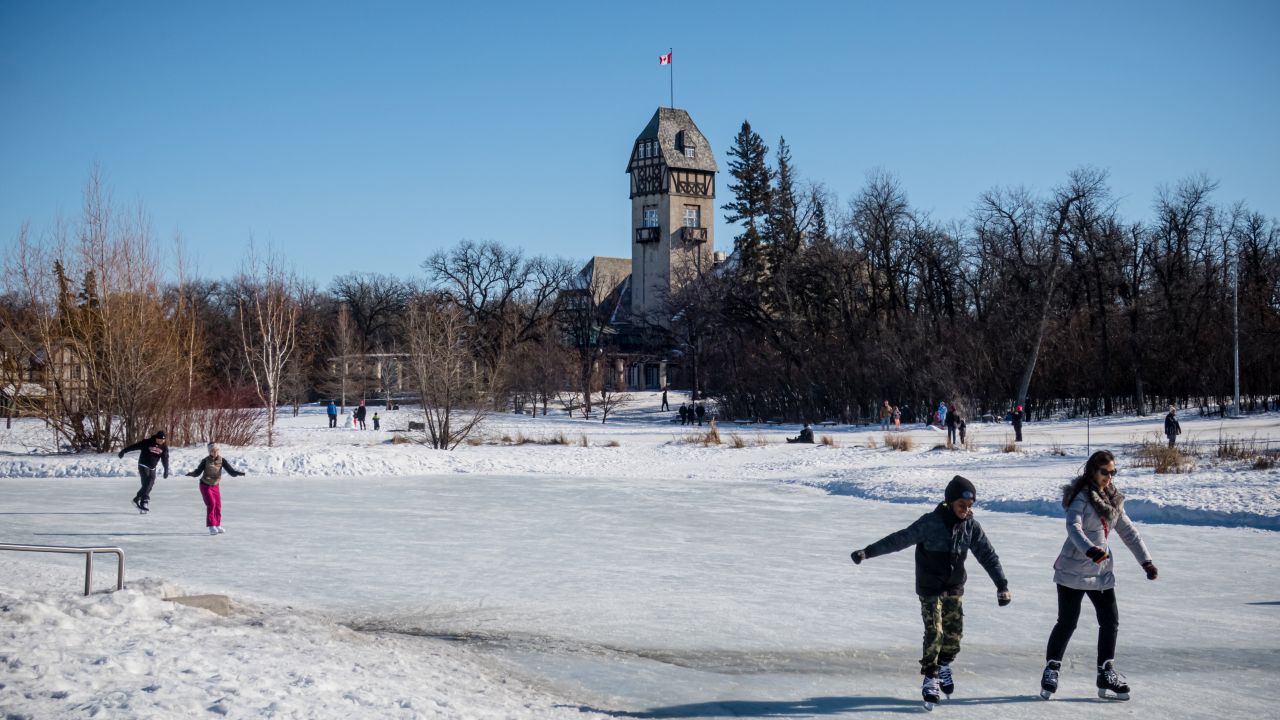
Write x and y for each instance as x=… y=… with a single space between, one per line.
x=688 y=151
x=692 y=216
x=650 y=216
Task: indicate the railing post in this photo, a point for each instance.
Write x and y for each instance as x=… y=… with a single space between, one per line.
x=88 y=572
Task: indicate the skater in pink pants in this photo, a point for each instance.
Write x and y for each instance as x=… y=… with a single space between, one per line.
x=210 y=473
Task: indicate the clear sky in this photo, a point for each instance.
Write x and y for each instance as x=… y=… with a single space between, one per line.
x=362 y=136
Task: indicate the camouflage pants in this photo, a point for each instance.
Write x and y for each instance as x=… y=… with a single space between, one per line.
x=943 y=627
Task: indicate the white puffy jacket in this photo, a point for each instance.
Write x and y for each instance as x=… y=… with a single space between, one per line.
x=1085 y=530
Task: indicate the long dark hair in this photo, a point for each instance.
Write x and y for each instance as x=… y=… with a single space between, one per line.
x=1099 y=459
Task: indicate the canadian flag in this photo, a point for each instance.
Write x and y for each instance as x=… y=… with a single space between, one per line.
x=664 y=59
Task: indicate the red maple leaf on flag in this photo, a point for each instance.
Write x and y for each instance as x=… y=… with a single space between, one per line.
x=664 y=59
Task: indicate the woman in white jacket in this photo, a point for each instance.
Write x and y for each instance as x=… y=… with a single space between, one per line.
x=1085 y=566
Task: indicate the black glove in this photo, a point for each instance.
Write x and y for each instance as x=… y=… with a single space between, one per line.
x=1150 y=567
x=166 y=473
x=1097 y=554
x=120 y=454
x=1003 y=597
x=858 y=556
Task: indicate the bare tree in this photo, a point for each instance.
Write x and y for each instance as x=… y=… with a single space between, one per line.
x=507 y=299
x=268 y=309
x=449 y=382
x=104 y=336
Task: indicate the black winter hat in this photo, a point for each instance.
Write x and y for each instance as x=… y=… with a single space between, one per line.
x=961 y=489
x=159 y=435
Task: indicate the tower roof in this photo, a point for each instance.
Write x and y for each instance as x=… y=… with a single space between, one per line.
x=674 y=130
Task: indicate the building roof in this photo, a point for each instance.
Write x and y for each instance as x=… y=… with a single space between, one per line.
x=673 y=128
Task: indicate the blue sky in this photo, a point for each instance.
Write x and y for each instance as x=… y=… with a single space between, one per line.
x=364 y=136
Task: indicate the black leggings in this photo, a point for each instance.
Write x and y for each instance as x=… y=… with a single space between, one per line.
x=1104 y=604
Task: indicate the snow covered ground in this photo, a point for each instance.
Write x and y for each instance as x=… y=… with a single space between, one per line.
x=657 y=578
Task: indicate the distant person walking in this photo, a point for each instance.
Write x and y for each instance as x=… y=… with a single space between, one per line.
x=1085 y=566
x=886 y=413
x=1172 y=428
x=684 y=414
x=700 y=410
x=897 y=419
x=1017 y=424
x=210 y=473
x=953 y=424
x=151 y=451
x=665 y=406
x=942 y=414
x=332 y=412
x=361 y=411
x=376 y=424
x=943 y=539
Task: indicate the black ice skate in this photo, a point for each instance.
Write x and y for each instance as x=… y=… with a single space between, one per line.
x=931 y=692
x=1111 y=681
x=945 y=681
x=1049 y=680
x=142 y=508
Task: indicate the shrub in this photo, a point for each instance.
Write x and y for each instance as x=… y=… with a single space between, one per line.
x=712 y=436
x=583 y=441
x=871 y=442
x=901 y=443
x=1154 y=453
x=1009 y=445
x=399 y=439
x=736 y=442
x=613 y=443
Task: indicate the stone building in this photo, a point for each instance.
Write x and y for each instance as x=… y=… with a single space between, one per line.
x=672 y=171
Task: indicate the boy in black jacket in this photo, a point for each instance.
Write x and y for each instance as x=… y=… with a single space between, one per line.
x=152 y=450
x=943 y=539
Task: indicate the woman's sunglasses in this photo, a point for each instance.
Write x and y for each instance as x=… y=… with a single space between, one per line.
x=1108 y=473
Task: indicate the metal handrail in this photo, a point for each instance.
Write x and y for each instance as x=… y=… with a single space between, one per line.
x=88 y=559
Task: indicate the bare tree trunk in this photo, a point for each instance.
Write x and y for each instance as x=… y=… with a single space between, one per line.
x=269 y=311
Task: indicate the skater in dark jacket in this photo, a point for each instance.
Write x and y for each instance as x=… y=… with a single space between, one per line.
x=210 y=473
x=1094 y=508
x=152 y=450
x=943 y=539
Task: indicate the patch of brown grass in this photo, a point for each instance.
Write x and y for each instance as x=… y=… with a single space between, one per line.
x=902 y=443
x=736 y=442
x=1155 y=454
x=827 y=440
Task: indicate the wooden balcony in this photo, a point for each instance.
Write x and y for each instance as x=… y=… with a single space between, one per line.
x=693 y=234
x=647 y=234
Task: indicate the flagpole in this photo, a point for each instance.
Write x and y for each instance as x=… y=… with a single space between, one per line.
x=671 y=74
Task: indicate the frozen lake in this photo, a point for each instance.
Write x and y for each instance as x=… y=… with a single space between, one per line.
x=685 y=597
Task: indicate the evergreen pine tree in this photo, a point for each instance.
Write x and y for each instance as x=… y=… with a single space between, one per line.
x=751 y=192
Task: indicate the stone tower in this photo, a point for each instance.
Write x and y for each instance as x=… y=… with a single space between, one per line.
x=673 y=193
